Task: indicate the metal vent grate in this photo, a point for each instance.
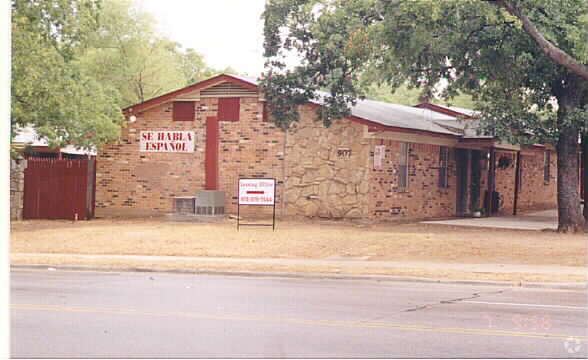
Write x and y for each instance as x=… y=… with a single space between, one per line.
x=210 y=210
x=228 y=89
x=210 y=202
x=184 y=205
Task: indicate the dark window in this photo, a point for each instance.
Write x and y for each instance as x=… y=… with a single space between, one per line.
x=228 y=109
x=443 y=165
x=546 y=167
x=183 y=111
x=403 y=168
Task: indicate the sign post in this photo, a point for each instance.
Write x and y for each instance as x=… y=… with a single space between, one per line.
x=257 y=192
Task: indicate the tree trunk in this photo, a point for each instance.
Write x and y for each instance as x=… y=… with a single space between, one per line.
x=569 y=92
x=570 y=218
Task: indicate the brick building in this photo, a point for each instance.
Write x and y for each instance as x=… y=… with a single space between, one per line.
x=384 y=161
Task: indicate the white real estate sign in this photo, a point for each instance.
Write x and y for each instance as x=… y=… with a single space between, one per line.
x=257 y=191
x=167 y=141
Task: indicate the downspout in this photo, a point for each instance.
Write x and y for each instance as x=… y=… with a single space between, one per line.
x=517 y=183
x=491 y=181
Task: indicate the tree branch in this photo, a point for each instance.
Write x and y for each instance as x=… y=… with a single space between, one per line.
x=552 y=51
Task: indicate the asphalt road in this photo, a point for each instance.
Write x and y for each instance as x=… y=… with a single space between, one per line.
x=125 y=315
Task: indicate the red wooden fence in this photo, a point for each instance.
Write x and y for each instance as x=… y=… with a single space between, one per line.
x=59 y=189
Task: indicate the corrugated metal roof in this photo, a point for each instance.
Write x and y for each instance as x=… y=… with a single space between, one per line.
x=401 y=116
x=393 y=115
x=28 y=136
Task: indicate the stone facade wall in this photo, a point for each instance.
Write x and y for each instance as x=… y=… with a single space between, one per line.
x=423 y=198
x=535 y=194
x=17 y=169
x=130 y=182
x=327 y=168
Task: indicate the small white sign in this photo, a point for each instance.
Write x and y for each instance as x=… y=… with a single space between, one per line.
x=167 y=141
x=379 y=154
x=257 y=191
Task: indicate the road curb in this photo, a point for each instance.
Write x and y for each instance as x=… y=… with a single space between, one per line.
x=309 y=276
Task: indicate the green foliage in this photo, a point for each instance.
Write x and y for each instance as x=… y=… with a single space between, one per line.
x=50 y=90
x=410 y=96
x=76 y=63
x=62 y=24
x=402 y=95
x=474 y=48
x=128 y=53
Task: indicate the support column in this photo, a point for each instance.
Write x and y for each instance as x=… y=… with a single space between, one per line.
x=517 y=183
x=491 y=181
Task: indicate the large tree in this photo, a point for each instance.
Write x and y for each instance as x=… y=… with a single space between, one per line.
x=470 y=46
x=50 y=90
x=129 y=53
x=555 y=53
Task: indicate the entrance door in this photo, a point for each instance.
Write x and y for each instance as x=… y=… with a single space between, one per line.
x=211 y=159
x=461 y=163
x=475 y=178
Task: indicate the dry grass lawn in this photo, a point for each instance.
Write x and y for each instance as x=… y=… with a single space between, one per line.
x=315 y=240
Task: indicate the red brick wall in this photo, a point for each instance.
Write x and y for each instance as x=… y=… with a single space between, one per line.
x=505 y=181
x=535 y=194
x=423 y=197
x=250 y=147
x=133 y=182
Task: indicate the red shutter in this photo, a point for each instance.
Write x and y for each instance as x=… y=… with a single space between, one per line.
x=183 y=111
x=228 y=109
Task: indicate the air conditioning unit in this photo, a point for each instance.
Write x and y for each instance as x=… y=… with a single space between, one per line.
x=210 y=202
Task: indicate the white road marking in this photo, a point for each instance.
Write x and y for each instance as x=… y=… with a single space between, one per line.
x=528 y=305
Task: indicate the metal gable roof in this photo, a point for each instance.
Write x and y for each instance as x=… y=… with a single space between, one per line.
x=378 y=112
x=400 y=116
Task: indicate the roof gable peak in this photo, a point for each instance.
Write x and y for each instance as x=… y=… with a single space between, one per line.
x=242 y=82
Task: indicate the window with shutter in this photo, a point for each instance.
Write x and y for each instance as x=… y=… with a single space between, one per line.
x=403 y=167
x=443 y=164
x=228 y=109
x=183 y=111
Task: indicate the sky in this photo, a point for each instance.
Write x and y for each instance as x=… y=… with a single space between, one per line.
x=225 y=32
